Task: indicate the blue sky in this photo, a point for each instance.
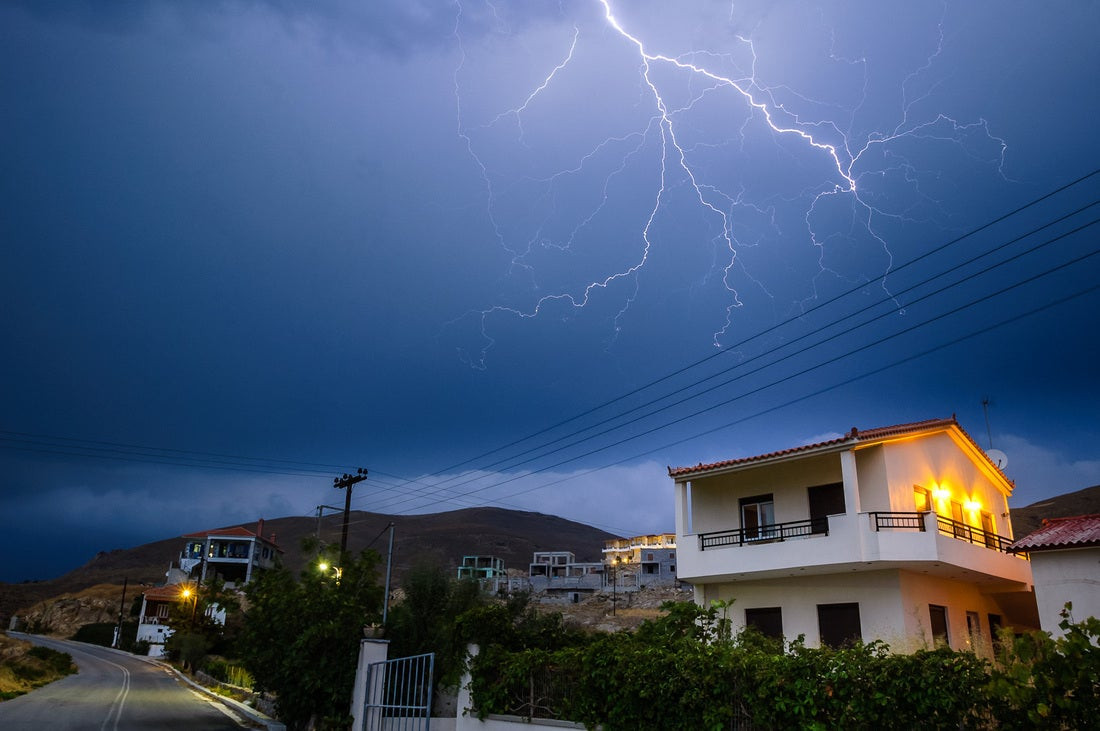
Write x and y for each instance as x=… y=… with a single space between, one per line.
x=250 y=245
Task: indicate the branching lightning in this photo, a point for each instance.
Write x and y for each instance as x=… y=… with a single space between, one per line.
x=851 y=163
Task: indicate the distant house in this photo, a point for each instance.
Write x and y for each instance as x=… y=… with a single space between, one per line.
x=481 y=568
x=233 y=555
x=899 y=533
x=1065 y=561
x=560 y=575
x=641 y=561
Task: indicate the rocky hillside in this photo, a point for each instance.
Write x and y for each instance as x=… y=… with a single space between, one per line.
x=1083 y=502
x=441 y=537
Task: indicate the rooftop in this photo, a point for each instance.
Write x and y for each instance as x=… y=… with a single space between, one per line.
x=852 y=438
x=1079 y=531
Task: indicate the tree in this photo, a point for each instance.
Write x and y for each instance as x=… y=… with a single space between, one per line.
x=197 y=632
x=301 y=636
x=425 y=620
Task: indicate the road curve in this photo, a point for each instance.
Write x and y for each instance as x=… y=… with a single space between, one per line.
x=114 y=691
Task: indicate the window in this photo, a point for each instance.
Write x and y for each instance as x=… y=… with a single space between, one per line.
x=825 y=500
x=162 y=611
x=989 y=531
x=974 y=630
x=767 y=620
x=937 y=615
x=995 y=625
x=838 y=624
x=922 y=499
x=671 y=555
x=757 y=513
x=957 y=516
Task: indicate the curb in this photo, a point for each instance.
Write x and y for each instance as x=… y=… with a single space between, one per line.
x=247 y=711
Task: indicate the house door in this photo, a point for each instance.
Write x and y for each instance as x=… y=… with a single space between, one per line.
x=825 y=500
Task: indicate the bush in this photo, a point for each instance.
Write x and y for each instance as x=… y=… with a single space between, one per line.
x=683 y=671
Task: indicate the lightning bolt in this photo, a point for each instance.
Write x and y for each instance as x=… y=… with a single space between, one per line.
x=851 y=165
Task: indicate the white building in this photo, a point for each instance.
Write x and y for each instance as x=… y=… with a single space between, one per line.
x=1065 y=560
x=231 y=554
x=898 y=533
x=640 y=561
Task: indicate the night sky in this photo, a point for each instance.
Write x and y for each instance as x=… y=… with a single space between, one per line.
x=526 y=254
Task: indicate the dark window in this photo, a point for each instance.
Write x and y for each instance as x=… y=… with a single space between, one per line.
x=757 y=513
x=938 y=617
x=768 y=620
x=839 y=624
x=825 y=500
x=995 y=625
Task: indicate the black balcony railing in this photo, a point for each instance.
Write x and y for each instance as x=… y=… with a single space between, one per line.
x=964 y=532
x=945 y=526
x=765 y=533
x=899 y=521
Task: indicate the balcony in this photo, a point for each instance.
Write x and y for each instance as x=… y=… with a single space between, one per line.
x=853 y=542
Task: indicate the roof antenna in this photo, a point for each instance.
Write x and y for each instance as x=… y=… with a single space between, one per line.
x=988 y=431
x=996 y=456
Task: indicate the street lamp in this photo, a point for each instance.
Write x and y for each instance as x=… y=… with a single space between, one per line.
x=614 y=585
x=187 y=593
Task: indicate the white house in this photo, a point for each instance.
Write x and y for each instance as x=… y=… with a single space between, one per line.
x=640 y=561
x=231 y=554
x=1065 y=560
x=898 y=533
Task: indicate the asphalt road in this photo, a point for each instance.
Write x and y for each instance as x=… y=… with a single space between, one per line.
x=114 y=691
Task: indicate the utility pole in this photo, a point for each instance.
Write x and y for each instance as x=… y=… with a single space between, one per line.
x=346 y=482
x=121 y=608
x=389 y=570
x=320 y=514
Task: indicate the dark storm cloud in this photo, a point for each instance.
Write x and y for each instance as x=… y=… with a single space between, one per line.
x=393 y=26
x=272 y=229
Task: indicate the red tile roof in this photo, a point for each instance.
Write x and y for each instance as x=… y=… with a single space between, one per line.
x=852 y=438
x=238 y=531
x=1078 y=531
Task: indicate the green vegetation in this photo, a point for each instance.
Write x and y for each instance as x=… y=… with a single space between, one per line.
x=198 y=633
x=684 y=671
x=300 y=637
x=103 y=633
x=25 y=667
x=425 y=620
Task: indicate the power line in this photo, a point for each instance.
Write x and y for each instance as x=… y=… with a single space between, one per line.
x=789 y=377
x=793 y=354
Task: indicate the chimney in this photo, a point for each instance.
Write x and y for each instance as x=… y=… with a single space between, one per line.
x=260 y=527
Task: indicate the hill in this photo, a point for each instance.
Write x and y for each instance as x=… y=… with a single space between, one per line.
x=510 y=535
x=1029 y=518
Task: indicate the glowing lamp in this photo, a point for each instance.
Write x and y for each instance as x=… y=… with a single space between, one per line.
x=941 y=493
x=972 y=505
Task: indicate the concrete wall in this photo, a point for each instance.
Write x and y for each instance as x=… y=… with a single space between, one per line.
x=1066 y=576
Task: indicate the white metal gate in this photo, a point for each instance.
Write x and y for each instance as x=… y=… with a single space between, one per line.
x=399 y=694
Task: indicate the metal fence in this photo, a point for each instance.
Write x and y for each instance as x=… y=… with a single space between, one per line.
x=399 y=694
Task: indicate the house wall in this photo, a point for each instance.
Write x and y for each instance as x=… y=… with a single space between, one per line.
x=893 y=605
x=1066 y=576
x=934 y=462
x=715 y=501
